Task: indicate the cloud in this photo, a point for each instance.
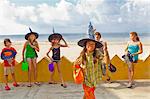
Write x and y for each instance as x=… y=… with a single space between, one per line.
x=8 y=22
x=106 y=15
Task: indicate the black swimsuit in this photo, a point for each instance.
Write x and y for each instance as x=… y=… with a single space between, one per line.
x=56 y=54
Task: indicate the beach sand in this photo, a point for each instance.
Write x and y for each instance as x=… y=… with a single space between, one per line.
x=73 y=51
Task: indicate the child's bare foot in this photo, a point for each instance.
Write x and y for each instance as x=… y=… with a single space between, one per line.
x=129 y=85
x=52 y=82
x=30 y=85
x=37 y=83
x=109 y=80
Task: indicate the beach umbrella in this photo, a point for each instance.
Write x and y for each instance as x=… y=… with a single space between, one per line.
x=51 y=67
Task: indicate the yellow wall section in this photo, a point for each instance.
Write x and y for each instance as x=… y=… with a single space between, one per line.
x=142 y=70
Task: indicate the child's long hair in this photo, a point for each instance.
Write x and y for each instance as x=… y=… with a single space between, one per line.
x=34 y=41
x=30 y=40
x=135 y=34
x=83 y=55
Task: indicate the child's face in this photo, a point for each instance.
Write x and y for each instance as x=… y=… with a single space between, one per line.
x=55 y=40
x=132 y=37
x=32 y=37
x=97 y=37
x=90 y=46
x=7 y=44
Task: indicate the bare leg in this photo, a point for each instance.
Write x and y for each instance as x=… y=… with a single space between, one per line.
x=60 y=75
x=51 y=81
x=59 y=72
x=34 y=61
x=108 y=74
x=130 y=75
x=13 y=77
x=29 y=72
x=6 y=79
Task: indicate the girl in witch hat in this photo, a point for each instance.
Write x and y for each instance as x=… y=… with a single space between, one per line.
x=90 y=61
x=8 y=55
x=29 y=51
x=55 y=39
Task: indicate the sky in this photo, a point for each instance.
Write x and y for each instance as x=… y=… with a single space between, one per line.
x=73 y=16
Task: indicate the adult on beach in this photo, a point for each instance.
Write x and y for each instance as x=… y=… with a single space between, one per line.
x=89 y=62
x=106 y=59
x=29 y=54
x=134 y=47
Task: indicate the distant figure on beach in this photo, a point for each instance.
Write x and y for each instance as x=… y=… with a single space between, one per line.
x=55 y=39
x=8 y=55
x=29 y=54
x=90 y=61
x=106 y=59
x=91 y=31
x=134 y=47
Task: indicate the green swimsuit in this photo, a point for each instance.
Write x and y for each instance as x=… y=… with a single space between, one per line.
x=30 y=52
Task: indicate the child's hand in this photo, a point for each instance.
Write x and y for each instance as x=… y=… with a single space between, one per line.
x=51 y=59
x=10 y=61
x=134 y=54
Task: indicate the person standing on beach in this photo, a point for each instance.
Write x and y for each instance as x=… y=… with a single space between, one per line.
x=29 y=51
x=90 y=61
x=106 y=60
x=55 y=39
x=134 y=47
x=8 y=55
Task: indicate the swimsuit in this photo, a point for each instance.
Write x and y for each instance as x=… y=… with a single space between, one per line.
x=30 y=52
x=133 y=49
x=56 y=54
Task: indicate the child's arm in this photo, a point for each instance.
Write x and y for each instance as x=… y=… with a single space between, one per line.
x=126 y=49
x=49 y=52
x=66 y=45
x=78 y=61
x=24 y=47
x=36 y=46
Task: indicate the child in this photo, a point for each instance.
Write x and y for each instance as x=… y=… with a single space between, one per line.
x=55 y=39
x=29 y=51
x=90 y=61
x=106 y=59
x=8 y=55
x=134 y=47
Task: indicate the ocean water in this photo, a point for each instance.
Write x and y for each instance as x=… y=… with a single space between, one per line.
x=74 y=37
